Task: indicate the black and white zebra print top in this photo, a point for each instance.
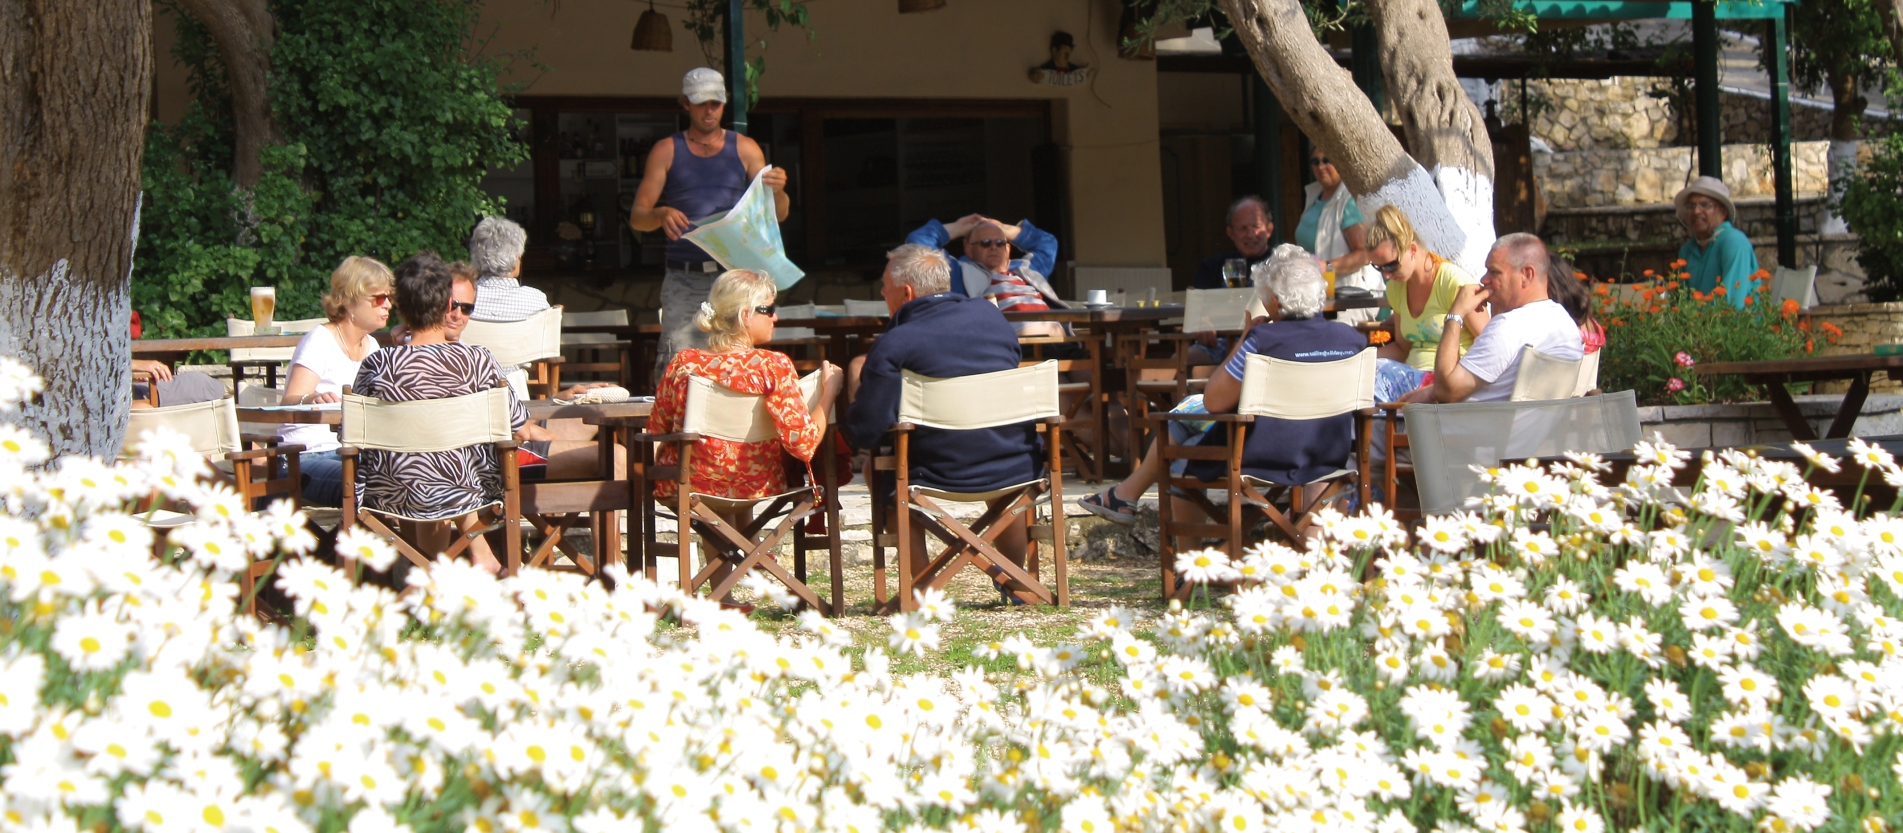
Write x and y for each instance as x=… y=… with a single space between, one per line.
x=436 y=484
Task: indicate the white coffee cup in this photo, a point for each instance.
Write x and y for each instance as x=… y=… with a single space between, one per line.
x=1098 y=296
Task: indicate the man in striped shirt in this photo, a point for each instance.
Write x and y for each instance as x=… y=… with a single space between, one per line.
x=986 y=270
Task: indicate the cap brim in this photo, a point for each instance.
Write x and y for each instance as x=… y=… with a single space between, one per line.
x=703 y=98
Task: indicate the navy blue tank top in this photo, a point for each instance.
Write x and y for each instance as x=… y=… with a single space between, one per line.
x=699 y=187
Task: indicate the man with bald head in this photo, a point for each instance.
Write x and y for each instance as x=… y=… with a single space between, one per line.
x=986 y=270
x=1523 y=315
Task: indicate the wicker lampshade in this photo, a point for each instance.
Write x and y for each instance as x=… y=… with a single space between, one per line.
x=651 y=32
x=912 y=6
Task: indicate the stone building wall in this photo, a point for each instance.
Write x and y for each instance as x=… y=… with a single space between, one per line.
x=1639 y=176
x=1622 y=113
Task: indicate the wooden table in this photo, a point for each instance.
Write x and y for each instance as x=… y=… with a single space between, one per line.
x=1774 y=374
x=538 y=409
x=168 y=349
x=1843 y=482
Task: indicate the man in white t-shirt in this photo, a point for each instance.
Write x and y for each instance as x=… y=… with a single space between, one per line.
x=1523 y=315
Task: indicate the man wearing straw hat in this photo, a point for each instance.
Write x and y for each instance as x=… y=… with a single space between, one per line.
x=696 y=173
x=1718 y=253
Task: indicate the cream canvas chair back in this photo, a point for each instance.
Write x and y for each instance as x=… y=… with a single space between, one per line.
x=1798 y=285
x=1284 y=389
x=875 y=309
x=716 y=411
x=1588 y=373
x=427 y=424
x=987 y=400
x=536 y=337
x=601 y=318
x=245 y=327
x=258 y=396
x=212 y=426
x=1448 y=439
x=1544 y=377
x=1206 y=310
x=796 y=311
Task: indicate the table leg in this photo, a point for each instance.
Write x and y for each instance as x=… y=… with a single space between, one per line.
x=1851 y=408
x=1787 y=410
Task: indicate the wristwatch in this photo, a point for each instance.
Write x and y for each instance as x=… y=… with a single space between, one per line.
x=1453 y=318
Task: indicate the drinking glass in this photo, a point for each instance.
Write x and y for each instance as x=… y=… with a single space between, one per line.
x=264 y=304
x=1235 y=273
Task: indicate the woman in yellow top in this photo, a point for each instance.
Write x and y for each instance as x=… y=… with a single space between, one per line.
x=1421 y=289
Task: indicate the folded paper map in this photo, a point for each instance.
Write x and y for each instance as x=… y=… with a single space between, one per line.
x=747 y=236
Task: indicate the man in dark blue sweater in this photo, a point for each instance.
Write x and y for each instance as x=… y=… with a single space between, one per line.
x=940 y=334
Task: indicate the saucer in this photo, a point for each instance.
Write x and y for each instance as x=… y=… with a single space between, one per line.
x=1099 y=305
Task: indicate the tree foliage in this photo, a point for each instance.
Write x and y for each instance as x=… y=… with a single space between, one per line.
x=391 y=115
x=1873 y=204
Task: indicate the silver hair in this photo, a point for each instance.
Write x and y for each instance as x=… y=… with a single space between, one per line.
x=922 y=268
x=1293 y=276
x=1523 y=250
x=1229 y=218
x=495 y=246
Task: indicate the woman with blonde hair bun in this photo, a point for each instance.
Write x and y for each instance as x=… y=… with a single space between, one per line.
x=1421 y=287
x=739 y=313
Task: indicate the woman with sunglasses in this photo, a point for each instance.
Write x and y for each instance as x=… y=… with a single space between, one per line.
x=1332 y=229
x=1421 y=289
x=327 y=359
x=739 y=313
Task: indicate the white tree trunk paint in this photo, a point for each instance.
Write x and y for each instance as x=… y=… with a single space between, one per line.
x=77 y=334
x=1452 y=209
x=1843 y=164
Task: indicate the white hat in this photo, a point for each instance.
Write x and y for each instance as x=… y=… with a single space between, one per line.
x=1705 y=186
x=703 y=85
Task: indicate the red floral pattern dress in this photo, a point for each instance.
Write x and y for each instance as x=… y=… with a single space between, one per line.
x=724 y=467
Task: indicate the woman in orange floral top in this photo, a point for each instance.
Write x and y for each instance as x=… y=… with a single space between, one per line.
x=739 y=313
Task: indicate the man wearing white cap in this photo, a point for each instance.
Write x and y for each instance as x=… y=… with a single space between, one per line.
x=697 y=172
x=1718 y=253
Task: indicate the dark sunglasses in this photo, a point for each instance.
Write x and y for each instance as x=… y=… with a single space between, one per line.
x=381 y=298
x=1389 y=267
x=768 y=309
x=467 y=309
x=987 y=244
x=1318 y=161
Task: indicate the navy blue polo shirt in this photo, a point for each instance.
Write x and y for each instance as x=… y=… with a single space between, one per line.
x=1290 y=451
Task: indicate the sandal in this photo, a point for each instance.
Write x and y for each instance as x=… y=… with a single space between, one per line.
x=1107 y=505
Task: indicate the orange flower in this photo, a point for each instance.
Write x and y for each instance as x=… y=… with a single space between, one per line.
x=1750 y=299
x=1833 y=332
x=1617 y=322
x=1810 y=344
x=1684 y=276
x=1759 y=275
x=1380 y=337
x=1672 y=285
x=1789 y=307
x=1581 y=276
x=1803 y=324
x=1717 y=291
x=1649 y=273
x=1699 y=296
x=1677 y=264
x=1602 y=289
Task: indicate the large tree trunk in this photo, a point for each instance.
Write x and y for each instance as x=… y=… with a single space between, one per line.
x=244 y=32
x=1450 y=200
x=74 y=84
x=1848 y=103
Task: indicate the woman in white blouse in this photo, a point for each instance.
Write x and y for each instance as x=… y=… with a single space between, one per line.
x=361 y=291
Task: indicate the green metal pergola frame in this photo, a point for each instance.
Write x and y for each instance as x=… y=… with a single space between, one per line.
x=1704 y=17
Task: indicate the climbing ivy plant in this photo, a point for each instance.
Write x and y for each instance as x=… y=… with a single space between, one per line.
x=391 y=112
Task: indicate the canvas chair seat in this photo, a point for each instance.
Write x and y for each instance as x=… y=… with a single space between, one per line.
x=1271 y=388
x=1541 y=376
x=989 y=400
x=533 y=344
x=1448 y=440
x=732 y=552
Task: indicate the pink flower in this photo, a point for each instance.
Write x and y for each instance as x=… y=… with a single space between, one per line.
x=1674 y=384
x=1684 y=359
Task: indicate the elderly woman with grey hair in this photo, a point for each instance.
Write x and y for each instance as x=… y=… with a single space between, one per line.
x=1285 y=451
x=495 y=247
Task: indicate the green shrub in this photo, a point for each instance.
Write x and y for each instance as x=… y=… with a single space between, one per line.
x=389 y=126
x=1873 y=205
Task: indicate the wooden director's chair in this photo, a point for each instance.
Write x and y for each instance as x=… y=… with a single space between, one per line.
x=989 y=400
x=1279 y=389
x=425 y=425
x=733 y=551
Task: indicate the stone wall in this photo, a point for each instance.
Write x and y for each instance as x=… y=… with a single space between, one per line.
x=1865 y=326
x=1621 y=113
x=1752 y=423
x=1658 y=221
x=1637 y=176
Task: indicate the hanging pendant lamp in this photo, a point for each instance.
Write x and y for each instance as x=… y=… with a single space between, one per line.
x=651 y=32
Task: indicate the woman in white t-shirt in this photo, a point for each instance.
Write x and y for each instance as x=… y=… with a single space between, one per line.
x=327 y=359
